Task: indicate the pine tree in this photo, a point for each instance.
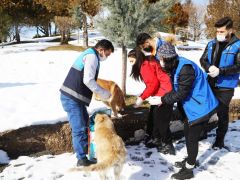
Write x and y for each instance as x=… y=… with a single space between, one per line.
x=5 y=25
x=40 y=17
x=126 y=19
x=18 y=10
x=60 y=11
x=220 y=8
x=23 y=12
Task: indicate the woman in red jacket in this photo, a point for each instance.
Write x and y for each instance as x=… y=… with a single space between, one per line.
x=147 y=69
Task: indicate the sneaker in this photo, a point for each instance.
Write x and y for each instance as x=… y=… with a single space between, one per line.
x=146 y=138
x=184 y=173
x=167 y=149
x=181 y=164
x=85 y=162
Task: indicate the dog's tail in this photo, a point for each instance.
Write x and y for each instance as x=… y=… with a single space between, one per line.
x=96 y=167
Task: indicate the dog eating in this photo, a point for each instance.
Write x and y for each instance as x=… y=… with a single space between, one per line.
x=117 y=101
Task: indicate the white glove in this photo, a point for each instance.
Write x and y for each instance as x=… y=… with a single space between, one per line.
x=105 y=95
x=155 y=100
x=213 y=71
x=138 y=102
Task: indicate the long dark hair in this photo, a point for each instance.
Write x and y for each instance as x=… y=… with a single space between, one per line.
x=140 y=58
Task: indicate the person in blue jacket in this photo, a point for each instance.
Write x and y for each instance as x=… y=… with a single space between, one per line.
x=76 y=94
x=221 y=60
x=194 y=96
x=148 y=44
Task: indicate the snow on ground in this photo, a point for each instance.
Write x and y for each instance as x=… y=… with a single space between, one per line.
x=29 y=91
x=141 y=163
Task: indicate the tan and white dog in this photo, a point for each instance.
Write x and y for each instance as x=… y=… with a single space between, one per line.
x=117 y=101
x=110 y=149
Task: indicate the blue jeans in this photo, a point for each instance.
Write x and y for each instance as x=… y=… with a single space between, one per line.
x=78 y=119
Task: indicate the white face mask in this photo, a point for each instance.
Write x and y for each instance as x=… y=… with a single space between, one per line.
x=146 y=53
x=162 y=63
x=102 y=58
x=221 y=37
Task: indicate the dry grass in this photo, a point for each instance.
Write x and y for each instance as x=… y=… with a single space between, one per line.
x=66 y=47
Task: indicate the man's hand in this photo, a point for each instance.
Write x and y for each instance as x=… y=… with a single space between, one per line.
x=155 y=100
x=138 y=102
x=213 y=71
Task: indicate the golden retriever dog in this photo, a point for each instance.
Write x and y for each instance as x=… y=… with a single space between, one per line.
x=110 y=149
x=116 y=102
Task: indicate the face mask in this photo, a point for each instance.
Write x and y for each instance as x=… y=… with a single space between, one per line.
x=221 y=37
x=162 y=63
x=148 y=49
x=146 y=53
x=103 y=58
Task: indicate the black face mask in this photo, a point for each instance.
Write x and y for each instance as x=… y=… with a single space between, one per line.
x=148 y=49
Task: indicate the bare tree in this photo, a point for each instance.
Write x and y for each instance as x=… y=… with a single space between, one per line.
x=220 y=8
x=196 y=19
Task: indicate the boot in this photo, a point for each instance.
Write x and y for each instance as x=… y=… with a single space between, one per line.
x=184 y=173
x=85 y=162
x=152 y=143
x=167 y=149
x=218 y=144
x=181 y=164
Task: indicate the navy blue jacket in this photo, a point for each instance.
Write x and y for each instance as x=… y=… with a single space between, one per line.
x=229 y=63
x=73 y=85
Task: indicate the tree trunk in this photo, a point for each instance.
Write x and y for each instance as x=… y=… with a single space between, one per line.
x=173 y=29
x=78 y=35
x=50 y=29
x=46 y=30
x=37 y=32
x=124 y=68
x=85 y=31
x=91 y=23
x=68 y=34
x=17 y=35
x=55 y=31
x=64 y=39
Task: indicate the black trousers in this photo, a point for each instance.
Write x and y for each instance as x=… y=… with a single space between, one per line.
x=192 y=135
x=224 y=97
x=223 y=119
x=159 y=118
